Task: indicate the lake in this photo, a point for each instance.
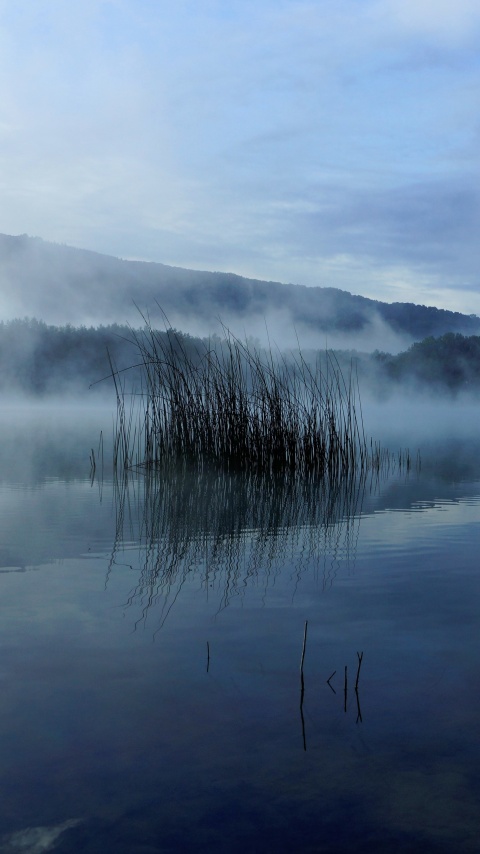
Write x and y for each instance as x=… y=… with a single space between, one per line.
x=152 y=631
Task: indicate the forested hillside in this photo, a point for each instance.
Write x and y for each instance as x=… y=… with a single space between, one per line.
x=39 y=359
x=449 y=363
x=60 y=284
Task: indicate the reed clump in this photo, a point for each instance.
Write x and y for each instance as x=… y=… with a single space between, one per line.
x=237 y=406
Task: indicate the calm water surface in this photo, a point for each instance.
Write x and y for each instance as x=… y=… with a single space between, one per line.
x=151 y=637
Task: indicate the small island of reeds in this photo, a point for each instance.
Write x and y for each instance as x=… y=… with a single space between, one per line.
x=237 y=406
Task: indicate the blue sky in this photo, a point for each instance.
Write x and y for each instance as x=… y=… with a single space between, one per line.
x=331 y=142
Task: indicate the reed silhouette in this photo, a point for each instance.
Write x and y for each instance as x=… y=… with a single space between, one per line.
x=240 y=407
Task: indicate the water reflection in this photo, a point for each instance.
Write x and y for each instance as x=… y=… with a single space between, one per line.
x=197 y=742
x=233 y=532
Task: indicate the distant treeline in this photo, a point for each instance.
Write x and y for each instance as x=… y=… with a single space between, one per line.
x=38 y=359
x=448 y=363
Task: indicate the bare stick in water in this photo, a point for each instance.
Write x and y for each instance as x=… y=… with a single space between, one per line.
x=302 y=684
x=328 y=681
x=304 y=737
x=359 y=711
x=303 y=648
x=360 y=659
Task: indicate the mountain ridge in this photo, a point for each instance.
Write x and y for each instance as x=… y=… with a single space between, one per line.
x=64 y=284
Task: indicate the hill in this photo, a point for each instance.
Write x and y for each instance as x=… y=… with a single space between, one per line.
x=63 y=285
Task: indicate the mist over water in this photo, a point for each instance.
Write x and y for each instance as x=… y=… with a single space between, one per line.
x=49 y=438
x=442 y=431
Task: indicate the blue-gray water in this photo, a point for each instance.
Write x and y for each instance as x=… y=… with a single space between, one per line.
x=151 y=637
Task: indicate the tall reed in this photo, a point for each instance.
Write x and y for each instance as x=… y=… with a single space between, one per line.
x=234 y=405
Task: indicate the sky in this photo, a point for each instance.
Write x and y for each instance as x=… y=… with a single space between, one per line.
x=320 y=142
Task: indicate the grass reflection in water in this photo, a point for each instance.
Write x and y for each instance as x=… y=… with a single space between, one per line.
x=233 y=531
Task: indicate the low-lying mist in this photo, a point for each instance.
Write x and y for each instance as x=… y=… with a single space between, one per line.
x=425 y=397
x=41 y=439
x=41 y=360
